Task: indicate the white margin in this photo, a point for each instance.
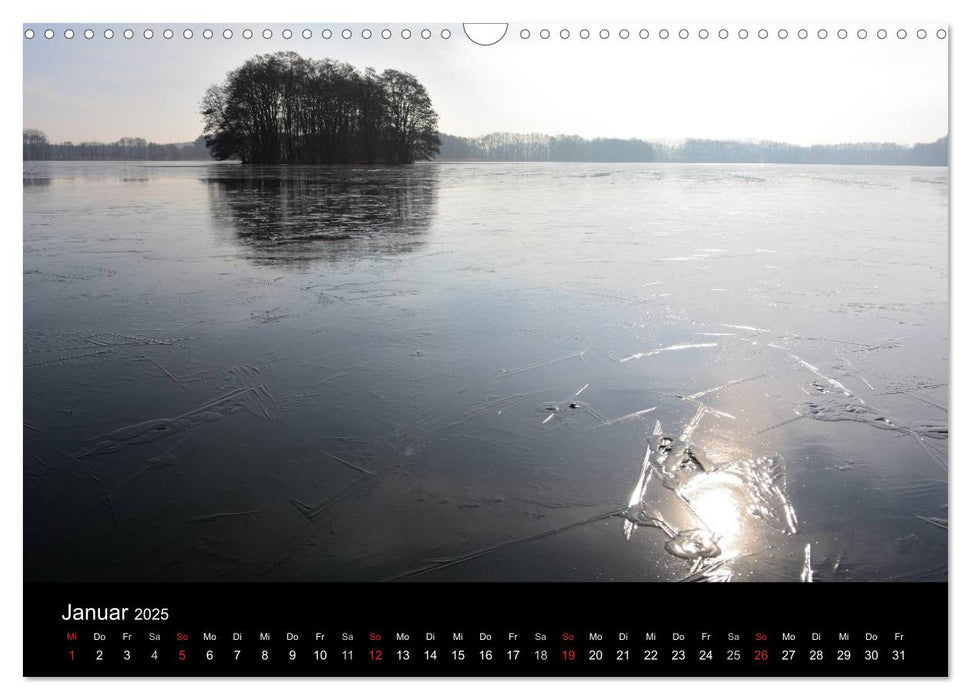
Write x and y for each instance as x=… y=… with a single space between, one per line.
x=11 y=291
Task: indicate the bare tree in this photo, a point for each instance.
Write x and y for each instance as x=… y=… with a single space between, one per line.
x=35 y=145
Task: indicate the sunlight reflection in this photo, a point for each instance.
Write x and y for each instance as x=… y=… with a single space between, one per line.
x=717 y=503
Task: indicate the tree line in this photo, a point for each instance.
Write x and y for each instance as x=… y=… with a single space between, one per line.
x=284 y=108
x=37 y=147
x=542 y=147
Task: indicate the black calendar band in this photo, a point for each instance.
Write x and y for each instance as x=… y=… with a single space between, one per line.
x=477 y=629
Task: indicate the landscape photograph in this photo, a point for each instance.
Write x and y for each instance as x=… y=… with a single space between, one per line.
x=361 y=303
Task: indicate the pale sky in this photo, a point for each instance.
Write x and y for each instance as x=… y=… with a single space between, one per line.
x=801 y=91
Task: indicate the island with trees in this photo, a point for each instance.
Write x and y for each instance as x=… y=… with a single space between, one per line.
x=282 y=108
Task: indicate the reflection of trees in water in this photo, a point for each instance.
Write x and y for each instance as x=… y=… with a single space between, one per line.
x=288 y=215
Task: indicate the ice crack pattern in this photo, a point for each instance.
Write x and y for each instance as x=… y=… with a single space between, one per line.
x=722 y=502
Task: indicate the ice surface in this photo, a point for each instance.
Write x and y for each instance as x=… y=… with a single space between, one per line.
x=485 y=372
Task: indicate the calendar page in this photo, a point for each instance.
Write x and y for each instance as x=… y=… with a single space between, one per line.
x=464 y=349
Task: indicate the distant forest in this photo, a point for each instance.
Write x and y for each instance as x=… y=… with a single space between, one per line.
x=541 y=147
x=37 y=147
x=283 y=108
x=538 y=147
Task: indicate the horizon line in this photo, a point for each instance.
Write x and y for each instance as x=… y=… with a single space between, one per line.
x=659 y=141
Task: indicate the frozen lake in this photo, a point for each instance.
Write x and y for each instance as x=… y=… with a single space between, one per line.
x=485 y=372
